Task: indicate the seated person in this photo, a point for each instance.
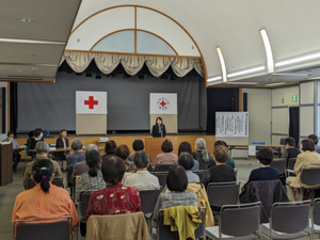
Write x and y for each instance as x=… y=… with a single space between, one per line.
x=137 y=146
x=265 y=172
x=220 y=172
x=109 y=149
x=308 y=159
x=291 y=150
x=42 y=150
x=186 y=161
x=37 y=137
x=62 y=142
x=77 y=156
x=115 y=198
x=230 y=161
x=82 y=167
x=142 y=179
x=177 y=183
x=123 y=152
x=44 y=200
x=315 y=140
x=201 y=154
x=10 y=138
x=93 y=179
x=186 y=147
x=167 y=157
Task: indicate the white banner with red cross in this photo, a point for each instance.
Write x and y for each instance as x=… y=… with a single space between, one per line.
x=163 y=103
x=91 y=102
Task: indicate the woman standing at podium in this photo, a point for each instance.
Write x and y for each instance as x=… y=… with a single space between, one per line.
x=159 y=129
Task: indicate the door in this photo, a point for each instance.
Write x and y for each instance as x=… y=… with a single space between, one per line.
x=294 y=124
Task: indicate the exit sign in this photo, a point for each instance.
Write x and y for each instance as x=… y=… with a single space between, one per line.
x=294 y=98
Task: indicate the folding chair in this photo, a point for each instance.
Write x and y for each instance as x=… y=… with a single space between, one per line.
x=58 y=181
x=315 y=224
x=311 y=177
x=237 y=222
x=162 y=167
x=149 y=199
x=82 y=210
x=164 y=232
x=288 y=220
x=200 y=173
x=291 y=163
x=162 y=176
x=222 y=193
x=43 y=229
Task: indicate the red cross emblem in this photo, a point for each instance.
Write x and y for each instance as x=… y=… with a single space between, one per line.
x=91 y=102
x=163 y=103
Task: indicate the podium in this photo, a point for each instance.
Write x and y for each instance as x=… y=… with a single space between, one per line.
x=153 y=146
x=6 y=163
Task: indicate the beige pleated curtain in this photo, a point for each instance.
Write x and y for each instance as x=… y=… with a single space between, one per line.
x=79 y=61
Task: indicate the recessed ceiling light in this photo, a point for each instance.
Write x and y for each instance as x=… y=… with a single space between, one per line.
x=26 y=20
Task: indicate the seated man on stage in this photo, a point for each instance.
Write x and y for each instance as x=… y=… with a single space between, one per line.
x=10 y=138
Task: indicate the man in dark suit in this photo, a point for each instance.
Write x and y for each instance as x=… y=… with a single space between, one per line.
x=62 y=142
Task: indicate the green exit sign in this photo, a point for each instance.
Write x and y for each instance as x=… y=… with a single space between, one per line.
x=294 y=98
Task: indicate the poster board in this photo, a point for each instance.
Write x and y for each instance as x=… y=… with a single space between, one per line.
x=232 y=124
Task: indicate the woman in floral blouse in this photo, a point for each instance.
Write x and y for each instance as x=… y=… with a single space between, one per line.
x=115 y=198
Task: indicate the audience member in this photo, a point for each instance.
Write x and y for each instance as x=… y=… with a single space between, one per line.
x=62 y=142
x=291 y=150
x=123 y=152
x=220 y=172
x=10 y=138
x=138 y=146
x=201 y=154
x=109 y=149
x=115 y=198
x=177 y=183
x=230 y=161
x=42 y=150
x=307 y=159
x=167 y=157
x=44 y=200
x=186 y=160
x=265 y=172
x=315 y=140
x=93 y=179
x=186 y=147
x=142 y=179
x=159 y=129
x=82 y=167
x=77 y=156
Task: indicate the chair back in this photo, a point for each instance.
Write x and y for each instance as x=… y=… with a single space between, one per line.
x=290 y=217
x=280 y=164
x=200 y=173
x=310 y=176
x=239 y=220
x=223 y=193
x=291 y=163
x=148 y=200
x=162 y=176
x=164 y=231
x=163 y=167
x=58 y=181
x=83 y=203
x=118 y=226
x=40 y=229
x=316 y=211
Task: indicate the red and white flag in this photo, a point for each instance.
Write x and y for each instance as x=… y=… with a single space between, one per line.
x=163 y=103
x=91 y=102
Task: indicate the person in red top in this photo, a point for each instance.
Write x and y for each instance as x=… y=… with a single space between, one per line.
x=115 y=198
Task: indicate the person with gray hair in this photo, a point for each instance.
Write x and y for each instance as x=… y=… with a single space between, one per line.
x=41 y=149
x=82 y=167
x=186 y=160
x=77 y=156
x=91 y=180
x=142 y=179
x=201 y=154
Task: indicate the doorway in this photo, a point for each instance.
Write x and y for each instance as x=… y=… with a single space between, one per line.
x=294 y=124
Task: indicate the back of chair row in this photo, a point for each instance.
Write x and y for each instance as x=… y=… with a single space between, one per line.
x=58 y=181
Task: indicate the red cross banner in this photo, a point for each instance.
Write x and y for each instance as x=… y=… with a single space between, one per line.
x=91 y=102
x=163 y=103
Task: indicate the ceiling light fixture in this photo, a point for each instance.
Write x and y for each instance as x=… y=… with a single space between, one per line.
x=247 y=71
x=242 y=83
x=214 y=79
x=268 y=50
x=298 y=60
x=26 y=20
x=222 y=64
